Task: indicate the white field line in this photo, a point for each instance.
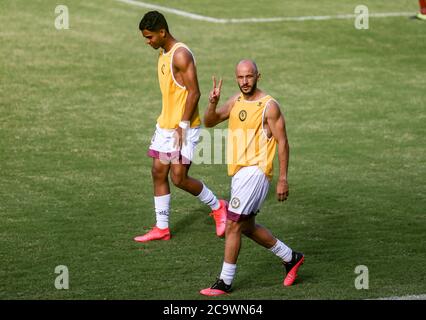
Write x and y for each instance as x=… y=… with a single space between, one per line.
x=257 y=20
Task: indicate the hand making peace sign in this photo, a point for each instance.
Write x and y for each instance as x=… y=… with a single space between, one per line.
x=214 y=95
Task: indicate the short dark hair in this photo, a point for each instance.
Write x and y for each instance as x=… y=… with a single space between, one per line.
x=153 y=21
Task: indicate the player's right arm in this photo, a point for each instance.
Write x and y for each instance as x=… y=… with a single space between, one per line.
x=214 y=115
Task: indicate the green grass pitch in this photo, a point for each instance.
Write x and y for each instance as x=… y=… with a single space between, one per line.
x=78 y=109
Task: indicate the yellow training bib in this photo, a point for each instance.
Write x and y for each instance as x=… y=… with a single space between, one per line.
x=248 y=144
x=174 y=94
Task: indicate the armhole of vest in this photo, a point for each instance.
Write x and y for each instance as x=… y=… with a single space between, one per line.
x=171 y=63
x=233 y=105
x=263 y=119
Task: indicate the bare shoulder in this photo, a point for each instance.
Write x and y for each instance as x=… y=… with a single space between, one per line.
x=182 y=57
x=234 y=98
x=231 y=101
x=273 y=109
x=225 y=110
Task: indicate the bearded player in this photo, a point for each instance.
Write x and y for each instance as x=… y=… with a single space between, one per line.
x=256 y=129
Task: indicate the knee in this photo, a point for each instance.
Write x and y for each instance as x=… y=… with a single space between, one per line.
x=178 y=179
x=158 y=174
x=233 y=227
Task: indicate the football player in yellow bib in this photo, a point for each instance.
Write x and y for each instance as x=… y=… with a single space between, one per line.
x=177 y=130
x=256 y=129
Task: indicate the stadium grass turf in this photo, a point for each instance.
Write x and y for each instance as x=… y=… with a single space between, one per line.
x=78 y=109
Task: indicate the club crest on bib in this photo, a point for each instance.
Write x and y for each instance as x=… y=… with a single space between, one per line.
x=235 y=202
x=242 y=115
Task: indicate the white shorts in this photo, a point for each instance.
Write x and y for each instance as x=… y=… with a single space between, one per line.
x=162 y=145
x=248 y=191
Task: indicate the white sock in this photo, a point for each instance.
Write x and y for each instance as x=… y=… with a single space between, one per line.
x=228 y=272
x=207 y=197
x=162 y=210
x=282 y=251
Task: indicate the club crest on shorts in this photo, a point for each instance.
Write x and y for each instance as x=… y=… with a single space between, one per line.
x=243 y=115
x=235 y=202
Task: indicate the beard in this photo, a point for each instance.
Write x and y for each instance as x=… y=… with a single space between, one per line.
x=251 y=90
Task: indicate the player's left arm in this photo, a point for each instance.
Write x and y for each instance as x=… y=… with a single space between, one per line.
x=184 y=63
x=276 y=124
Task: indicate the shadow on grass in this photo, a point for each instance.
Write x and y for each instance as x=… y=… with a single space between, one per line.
x=254 y=281
x=186 y=221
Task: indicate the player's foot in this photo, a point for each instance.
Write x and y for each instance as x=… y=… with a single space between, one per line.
x=154 y=234
x=219 y=217
x=291 y=267
x=217 y=289
x=421 y=16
